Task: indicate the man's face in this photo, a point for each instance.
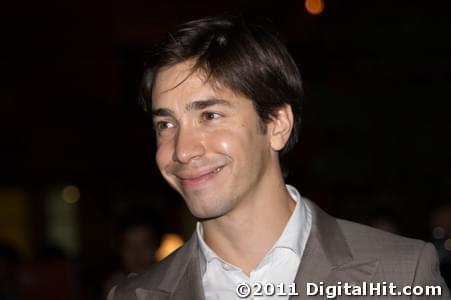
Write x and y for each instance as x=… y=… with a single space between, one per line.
x=210 y=145
x=138 y=247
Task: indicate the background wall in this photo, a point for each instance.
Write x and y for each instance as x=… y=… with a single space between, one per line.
x=375 y=145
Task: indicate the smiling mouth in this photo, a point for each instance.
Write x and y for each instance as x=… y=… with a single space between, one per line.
x=198 y=180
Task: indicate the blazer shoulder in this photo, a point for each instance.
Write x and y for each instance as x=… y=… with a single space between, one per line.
x=404 y=260
x=366 y=240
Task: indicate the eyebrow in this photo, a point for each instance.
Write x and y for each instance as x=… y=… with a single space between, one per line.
x=195 y=105
x=161 y=112
x=202 y=104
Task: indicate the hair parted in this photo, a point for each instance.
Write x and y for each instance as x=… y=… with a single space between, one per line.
x=245 y=57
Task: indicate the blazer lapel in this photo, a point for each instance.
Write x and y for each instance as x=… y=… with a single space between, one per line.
x=327 y=258
x=190 y=285
x=182 y=279
x=143 y=294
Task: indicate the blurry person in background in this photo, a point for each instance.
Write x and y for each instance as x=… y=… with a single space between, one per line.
x=440 y=223
x=225 y=97
x=384 y=218
x=9 y=272
x=137 y=241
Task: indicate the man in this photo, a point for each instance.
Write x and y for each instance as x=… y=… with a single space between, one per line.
x=224 y=97
x=137 y=240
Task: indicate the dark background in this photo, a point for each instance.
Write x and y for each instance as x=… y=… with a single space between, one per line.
x=376 y=128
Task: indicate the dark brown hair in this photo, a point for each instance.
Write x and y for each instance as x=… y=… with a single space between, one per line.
x=246 y=57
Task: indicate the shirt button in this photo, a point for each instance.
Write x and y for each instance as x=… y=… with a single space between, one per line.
x=226 y=267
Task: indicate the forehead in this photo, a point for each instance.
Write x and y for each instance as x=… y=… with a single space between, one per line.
x=169 y=77
x=179 y=84
x=177 y=80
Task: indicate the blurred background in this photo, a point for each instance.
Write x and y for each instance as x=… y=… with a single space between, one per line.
x=81 y=200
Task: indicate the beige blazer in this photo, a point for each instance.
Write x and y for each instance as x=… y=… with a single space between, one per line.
x=336 y=251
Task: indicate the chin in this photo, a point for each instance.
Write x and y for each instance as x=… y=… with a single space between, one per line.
x=205 y=212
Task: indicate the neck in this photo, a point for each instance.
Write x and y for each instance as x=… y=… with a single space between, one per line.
x=244 y=236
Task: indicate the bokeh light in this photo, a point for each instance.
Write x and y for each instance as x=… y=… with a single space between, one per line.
x=448 y=244
x=71 y=194
x=314 y=7
x=169 y=243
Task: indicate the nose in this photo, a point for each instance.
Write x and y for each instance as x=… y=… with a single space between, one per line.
x=188 y=145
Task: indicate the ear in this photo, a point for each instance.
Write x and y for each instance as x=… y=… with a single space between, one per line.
x=280 y=127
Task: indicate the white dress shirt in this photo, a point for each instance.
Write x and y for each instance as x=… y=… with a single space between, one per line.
x=279 y=266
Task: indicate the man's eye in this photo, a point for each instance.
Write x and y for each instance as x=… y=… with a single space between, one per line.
x=162 y=125
x=210 y=115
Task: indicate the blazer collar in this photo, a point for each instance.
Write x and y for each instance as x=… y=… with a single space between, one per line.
x=327 y=257
x=182 y=280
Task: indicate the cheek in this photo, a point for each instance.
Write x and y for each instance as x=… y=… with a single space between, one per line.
x=224 y=145
x=163 y=156
x=230 y=142
x=222 y=141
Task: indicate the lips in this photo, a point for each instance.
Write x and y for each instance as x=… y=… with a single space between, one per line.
x=198 y=179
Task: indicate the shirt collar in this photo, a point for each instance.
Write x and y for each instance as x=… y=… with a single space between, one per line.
x=294 y=236
x=291 y=236
x=207 y=254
